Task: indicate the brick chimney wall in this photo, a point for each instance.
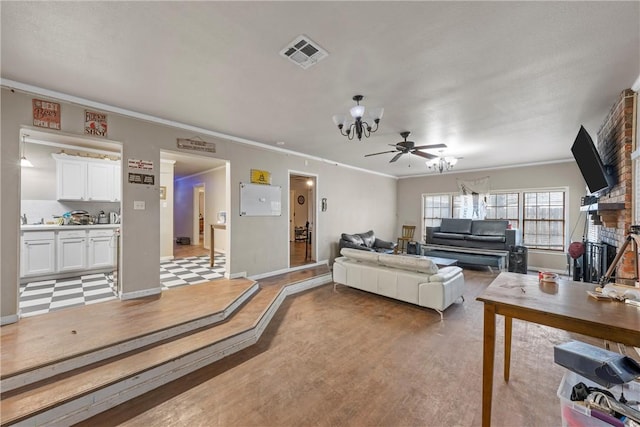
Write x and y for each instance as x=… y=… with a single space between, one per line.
x=615 y=140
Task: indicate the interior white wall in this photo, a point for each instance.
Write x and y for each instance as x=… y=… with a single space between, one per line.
x=257 y=245
x=556 y=175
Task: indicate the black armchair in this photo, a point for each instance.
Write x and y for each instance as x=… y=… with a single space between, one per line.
x=366 y=242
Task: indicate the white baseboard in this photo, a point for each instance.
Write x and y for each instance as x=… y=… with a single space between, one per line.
x=166 y=258
x=288 y=270
x=140 y=294
x=7 y=320
x=235 y=275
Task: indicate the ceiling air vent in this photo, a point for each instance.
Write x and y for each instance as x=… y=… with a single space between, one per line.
x=304 y=52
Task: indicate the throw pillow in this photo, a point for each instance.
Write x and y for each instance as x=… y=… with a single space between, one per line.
x=352 y=238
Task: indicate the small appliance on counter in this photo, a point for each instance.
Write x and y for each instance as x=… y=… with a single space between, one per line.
x=102 y=218
x=114 y=217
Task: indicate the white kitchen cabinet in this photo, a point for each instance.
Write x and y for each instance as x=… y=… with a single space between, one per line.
x=71 y=179
x=102 y=248
x=100 y=182
x=95 y=180
x=37 y=253
x=117 y=182
x=72 y=250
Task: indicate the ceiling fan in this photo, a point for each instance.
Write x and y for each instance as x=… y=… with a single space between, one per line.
x=404 y=147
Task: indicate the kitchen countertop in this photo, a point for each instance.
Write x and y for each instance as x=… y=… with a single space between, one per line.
x=38 y=227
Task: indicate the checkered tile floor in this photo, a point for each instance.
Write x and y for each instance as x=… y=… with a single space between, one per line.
x=190 y=270
x=50 y=295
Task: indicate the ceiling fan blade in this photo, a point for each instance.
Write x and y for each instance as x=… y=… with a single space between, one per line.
x=396 y=157
x=428 y=147
x=383 y=152
x=425 y=155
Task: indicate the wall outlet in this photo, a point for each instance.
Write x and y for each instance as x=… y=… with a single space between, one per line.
x=138 y=205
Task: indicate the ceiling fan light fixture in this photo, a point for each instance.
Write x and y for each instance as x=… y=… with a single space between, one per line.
x=442 y=163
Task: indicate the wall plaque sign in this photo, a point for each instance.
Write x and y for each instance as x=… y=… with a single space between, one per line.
x=141 y=178
x=140 y=164
x=196 y=145
x=46 y=114
x=95 y=123
x=260 y=177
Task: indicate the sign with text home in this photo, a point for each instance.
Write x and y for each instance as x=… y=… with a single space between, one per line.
x=46 y=114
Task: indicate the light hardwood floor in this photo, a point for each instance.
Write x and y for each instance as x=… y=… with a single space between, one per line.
x=349 y=358
x=183 y=251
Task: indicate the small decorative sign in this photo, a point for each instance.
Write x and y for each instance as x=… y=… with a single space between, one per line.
x=196 y=145
x=95 y=123
x=260 y=177
x=141 y=178
x=46 y=114
x=140 y=164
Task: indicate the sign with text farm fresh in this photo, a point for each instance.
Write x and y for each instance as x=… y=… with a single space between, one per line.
x=95 y=123
x=46 y=114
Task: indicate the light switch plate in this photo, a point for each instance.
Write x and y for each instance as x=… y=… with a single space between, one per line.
x=138 y=205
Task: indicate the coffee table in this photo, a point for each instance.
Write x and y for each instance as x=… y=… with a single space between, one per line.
x=440 y=262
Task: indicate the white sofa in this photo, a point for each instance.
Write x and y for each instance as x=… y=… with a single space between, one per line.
x=413 y=279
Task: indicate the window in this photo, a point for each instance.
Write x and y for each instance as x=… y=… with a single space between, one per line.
x=544 y=220
x=504 y=206
x=436 y=207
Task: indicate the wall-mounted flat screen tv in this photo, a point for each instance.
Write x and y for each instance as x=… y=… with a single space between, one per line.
x=589 y=162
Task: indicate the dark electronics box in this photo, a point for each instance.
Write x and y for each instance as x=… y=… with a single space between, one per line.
x=603 y=367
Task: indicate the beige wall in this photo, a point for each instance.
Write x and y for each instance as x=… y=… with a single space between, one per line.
x=256 y=246
x=555 y=175
x=166 y=210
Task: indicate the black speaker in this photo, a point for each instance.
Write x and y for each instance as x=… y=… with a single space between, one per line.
x=414 y=248
x=518 y=259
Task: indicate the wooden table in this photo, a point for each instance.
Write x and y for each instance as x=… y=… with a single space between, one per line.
x=214 y=227
x=563 y=305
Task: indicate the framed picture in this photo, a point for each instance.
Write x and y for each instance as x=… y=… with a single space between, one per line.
x=163 y=193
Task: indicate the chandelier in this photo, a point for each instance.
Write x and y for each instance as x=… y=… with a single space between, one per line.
x=442 y=163
x=359 y=126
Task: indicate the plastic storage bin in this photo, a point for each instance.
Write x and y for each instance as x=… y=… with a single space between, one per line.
x=576 y=414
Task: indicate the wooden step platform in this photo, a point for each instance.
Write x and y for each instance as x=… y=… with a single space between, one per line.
x=93 y=387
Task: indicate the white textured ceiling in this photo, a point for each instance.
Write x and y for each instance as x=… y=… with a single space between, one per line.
x=501 y=83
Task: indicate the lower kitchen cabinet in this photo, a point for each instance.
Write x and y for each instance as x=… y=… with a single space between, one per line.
x=38 y=253
x=72 y=250
x=102 y=245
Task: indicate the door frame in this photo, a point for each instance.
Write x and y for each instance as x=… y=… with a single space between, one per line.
x=197 y=189
x=314 y=221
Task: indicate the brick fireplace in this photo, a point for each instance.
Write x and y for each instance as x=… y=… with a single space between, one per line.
x=615 y=145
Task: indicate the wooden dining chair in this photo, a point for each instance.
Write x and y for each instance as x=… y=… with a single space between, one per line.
x=407 y=236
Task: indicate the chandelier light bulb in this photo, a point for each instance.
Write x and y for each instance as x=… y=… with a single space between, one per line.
x=357 y=112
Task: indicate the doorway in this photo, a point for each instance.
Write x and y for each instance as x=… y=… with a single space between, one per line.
x=302 y=214
x=67 y=266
